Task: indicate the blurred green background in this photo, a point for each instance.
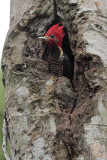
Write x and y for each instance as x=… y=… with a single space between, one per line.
x=1 y=115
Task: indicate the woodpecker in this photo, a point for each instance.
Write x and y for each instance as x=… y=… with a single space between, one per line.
x=58 y=61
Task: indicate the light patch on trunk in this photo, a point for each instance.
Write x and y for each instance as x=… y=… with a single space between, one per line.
x=52 y=125
x=92 y=129
x=49 y=83
x=95 y=132
x=97 y=44
x=39 y=150
x=22 y=94
x=100 y=104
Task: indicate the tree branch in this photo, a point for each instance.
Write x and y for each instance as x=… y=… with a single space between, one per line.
x=4 y=147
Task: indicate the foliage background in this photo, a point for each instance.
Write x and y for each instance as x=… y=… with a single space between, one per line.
x=1 y=115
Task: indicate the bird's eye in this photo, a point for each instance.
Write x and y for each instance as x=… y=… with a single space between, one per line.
x=52 y=36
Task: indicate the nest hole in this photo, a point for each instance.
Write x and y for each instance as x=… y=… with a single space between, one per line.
x=65 y=46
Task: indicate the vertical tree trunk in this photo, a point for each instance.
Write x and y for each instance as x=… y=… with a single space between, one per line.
x=47 y=119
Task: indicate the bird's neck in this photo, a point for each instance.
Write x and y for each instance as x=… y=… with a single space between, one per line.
x=56 y=52
x=56 y=49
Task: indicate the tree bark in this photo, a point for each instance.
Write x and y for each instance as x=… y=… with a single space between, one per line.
x=46 y=117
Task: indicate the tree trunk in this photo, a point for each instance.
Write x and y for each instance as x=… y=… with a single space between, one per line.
x=48 y=118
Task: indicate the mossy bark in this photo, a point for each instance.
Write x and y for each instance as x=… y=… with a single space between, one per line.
x=46 y=117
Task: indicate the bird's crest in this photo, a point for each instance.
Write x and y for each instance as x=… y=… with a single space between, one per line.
x=57 y=31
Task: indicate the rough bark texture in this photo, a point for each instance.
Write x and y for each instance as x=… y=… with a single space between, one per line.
x=46 y=118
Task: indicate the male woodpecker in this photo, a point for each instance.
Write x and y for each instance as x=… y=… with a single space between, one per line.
x=59 y=62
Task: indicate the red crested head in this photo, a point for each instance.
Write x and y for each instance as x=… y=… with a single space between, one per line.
x=54 y=35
